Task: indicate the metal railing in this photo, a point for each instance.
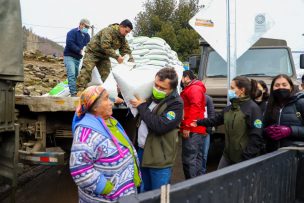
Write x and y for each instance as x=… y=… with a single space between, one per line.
x=276 y=177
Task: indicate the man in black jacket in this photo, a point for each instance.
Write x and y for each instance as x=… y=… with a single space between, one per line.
x=160 y=117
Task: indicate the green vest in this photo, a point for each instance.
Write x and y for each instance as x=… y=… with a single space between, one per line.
x=160 y=150
x=236 y=132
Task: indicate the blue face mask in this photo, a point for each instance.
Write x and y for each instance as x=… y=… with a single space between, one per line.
x=84 y=30
x=232 y=95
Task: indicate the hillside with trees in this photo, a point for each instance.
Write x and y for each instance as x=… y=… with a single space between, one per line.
x=33 y=42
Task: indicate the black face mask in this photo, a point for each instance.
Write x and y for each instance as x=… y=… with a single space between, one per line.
x=258 y=93
x=281 y=94
x=182 y=85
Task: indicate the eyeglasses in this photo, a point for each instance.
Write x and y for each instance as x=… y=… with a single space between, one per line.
x=86 y=26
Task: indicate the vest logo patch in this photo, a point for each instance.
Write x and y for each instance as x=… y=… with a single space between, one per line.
x=258 y=123
x=170 y=115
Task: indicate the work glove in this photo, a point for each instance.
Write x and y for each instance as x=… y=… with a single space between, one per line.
x=277 y=132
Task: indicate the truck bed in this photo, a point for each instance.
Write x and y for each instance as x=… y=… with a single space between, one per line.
x=47 y=103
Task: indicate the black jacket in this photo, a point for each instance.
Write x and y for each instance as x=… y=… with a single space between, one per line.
x=210 y=111
x=292 y=115
x=262 y=105
x=243 y=129
x=161 y=124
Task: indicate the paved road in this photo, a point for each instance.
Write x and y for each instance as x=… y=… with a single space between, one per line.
x=54 y=185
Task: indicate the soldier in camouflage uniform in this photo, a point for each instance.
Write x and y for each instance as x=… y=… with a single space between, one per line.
x=100 y=48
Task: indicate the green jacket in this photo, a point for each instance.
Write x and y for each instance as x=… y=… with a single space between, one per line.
x=243 y=129
x=163 y=123
x=236 y=138
x=107 y=41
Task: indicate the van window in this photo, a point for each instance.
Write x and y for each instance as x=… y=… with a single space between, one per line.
x=254 y=62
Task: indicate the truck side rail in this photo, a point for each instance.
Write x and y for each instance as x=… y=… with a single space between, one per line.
x=273 y=177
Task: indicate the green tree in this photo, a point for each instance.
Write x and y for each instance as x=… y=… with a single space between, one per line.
x=167 y=32
x=188 y=43
x=163 y=19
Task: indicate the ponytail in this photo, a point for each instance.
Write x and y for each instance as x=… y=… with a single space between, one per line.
x=250 y=86
x=254 y=89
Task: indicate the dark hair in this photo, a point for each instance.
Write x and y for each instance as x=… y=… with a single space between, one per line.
x=250 y=86
x=168 y=73
x=281 y=76
x=271 y=101
x=302 y=78
x=264 y=86
x=189 y=73
x=127 y=23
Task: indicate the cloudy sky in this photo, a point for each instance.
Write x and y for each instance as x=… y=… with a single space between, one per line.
x=54 y=18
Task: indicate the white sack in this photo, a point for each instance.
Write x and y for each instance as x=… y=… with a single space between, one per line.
x=155 y=41
x=110 y=83
x=139 y=81
x=149 y=46
x=140 y=52
x=157 y=57
x=135 y=82
x=95 y=78
x=157 y=52
x=157 y=63
x=140 y=39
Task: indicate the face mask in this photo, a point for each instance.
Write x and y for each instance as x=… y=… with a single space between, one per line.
x=182 y=85
x=232 y=95
x=84 y=30
x=158 y=94
x=281 y=94
x=258 y=93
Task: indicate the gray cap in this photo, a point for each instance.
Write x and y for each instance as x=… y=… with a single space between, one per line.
x=85 y=21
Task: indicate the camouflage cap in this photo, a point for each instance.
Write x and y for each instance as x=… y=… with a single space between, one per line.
x=85 y=21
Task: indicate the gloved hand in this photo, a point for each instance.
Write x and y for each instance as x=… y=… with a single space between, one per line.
x=277 y=132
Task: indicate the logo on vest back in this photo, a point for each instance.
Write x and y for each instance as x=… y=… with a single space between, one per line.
x=258 y=123
x=170 y=115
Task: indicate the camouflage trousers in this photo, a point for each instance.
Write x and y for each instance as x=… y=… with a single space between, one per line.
x=89 y=62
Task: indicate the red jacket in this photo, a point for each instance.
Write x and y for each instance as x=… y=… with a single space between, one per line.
x=194 y=106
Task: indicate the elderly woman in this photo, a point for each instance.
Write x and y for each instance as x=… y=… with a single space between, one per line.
x=103 y=162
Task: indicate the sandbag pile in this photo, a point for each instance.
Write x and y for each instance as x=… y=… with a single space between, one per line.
x=153 y=51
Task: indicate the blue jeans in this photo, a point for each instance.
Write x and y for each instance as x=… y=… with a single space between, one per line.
x=205 y=149
x=153 y=178
x=72 y=68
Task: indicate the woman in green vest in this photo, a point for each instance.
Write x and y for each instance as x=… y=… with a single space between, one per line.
x=242 y=120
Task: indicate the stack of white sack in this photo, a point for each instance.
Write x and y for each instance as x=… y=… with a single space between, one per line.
x=150 y=55
x=153 y=52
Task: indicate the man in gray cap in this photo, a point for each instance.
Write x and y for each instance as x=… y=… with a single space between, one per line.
x=76 y=39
